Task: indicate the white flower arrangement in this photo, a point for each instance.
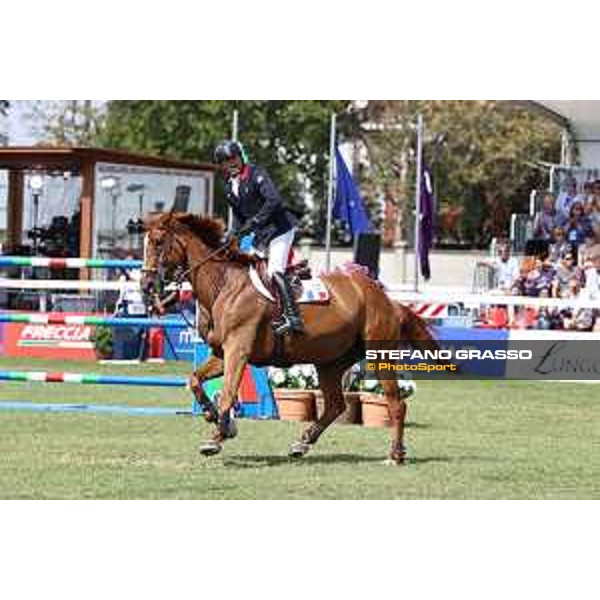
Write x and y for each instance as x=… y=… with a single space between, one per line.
x=302 y=377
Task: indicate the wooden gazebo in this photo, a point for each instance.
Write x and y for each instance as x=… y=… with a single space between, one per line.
x=78 y=161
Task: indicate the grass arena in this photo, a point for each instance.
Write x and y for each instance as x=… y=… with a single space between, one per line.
x=129 y=432
x=136 y=438
x=465 y=439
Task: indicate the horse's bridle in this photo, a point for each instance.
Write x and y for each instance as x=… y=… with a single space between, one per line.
x=180 y=274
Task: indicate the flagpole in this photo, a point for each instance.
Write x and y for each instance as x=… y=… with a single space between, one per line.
x=330 y=189
x=419 y=176
x=234 y=137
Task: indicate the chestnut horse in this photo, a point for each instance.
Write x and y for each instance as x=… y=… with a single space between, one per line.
x=236 y=323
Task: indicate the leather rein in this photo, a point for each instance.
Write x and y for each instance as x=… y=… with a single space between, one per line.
x=180 y=275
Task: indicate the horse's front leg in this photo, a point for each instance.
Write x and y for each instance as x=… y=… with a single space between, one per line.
x=235 y=361
x=210 y=369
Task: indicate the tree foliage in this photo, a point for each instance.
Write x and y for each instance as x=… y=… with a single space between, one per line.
x=65 y=122
x=485 y=153
x=290 y=138
x=4 y=107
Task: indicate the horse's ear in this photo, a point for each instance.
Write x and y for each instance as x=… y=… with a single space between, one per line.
x=152 y=220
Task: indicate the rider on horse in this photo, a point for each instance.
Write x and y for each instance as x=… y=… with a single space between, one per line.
x=258 y=208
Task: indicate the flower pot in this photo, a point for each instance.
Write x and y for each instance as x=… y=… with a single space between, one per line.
x=374 y=410
x=351 y=416
x=295 y=405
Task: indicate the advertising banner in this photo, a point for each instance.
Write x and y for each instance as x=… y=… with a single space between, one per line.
x=556 y=355
x=179 y=343
x=69 y=342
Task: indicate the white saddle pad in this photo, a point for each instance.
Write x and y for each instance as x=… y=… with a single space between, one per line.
x=313 y=290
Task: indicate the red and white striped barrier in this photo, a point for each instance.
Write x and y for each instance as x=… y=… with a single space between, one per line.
x=427 y=310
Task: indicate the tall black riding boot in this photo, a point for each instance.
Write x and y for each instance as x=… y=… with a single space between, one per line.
x=290 y=319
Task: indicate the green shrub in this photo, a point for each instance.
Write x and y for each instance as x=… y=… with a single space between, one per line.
x=104 y=341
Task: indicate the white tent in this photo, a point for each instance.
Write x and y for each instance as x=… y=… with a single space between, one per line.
x=581 y=120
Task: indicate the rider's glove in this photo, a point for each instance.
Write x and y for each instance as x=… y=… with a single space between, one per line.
x=247 y=227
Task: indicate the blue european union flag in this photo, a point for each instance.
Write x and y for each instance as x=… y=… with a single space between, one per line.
x=349 y=206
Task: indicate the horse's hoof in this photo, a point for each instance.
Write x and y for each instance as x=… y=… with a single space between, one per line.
x=232 y=429
x=397 y=455
x=298 y=449
x=209 y=417
x=210 y=448
x=394 y=461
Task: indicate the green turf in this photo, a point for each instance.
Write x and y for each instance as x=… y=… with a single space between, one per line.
x=466 y=440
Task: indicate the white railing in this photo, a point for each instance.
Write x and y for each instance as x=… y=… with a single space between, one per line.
x=489 y=299
x=72 y=284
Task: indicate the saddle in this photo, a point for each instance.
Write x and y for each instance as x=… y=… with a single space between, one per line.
x=306 y=288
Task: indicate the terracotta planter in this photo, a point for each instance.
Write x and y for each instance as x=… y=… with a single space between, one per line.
x=374 y=410
x=351 y=416
x=295 y=405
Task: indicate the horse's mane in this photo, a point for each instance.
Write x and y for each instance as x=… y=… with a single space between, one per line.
x=211 y=232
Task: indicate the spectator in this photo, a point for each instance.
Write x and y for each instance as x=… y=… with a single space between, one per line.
x=547 y=273
x=545 y=315
x=565 y=271
x=586 y=196
x=560 y=246
x=596 y=193
x=535 y=280
x=566 y=198
x=518 y=287
x=578 y=227
x=507 y=269
x=587 y=249
x=580 y=319
x=594 y=212
x=131 y=302
x=591 y=268
x=546 y=220
x=525 y=318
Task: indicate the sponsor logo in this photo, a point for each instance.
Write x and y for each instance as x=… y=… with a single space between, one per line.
x=63 y=336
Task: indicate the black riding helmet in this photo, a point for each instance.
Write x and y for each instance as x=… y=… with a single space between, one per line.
x=227 y=150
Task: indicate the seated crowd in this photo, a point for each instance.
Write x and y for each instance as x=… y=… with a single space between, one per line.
x=564 y=263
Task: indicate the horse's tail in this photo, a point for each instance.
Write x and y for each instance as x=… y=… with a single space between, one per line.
x=416 y=332
x=413 y=329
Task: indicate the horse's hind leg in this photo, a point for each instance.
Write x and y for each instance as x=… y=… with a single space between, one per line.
x=330 y=382
x=397 y=411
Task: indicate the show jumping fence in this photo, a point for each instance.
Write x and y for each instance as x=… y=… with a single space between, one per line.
x=45 y=319
x=68 y=263
x=84 y=378
x=92 y=379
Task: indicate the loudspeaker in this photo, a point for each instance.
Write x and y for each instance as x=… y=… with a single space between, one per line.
x=182 y=198
x=367 y=249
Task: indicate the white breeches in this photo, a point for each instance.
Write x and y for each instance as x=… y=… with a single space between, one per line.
x=279 y=251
